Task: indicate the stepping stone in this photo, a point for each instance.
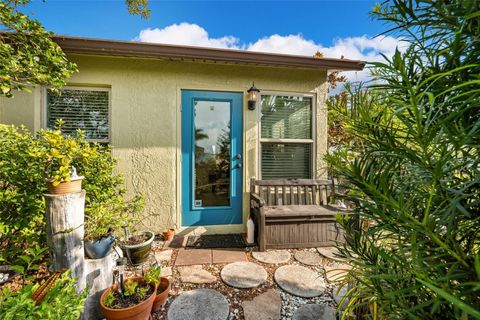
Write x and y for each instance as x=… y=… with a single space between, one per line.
x=266 y=306
x=243 y=275
x=338 y=294
x=336 y=272
x=201 y=304
x=166 y=272
x=164 y=255
x=274 y=256
x=300 y=281
x=329 y=252
x=193 y=256
x=195 y=274
x=314 y=312
x=177 y=243
x=310 y=258
x=228 y=255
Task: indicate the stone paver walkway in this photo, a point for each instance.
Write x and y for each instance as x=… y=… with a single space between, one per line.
x=187 y=257
x=266 y=306
x=273 y=256
x=329 y=252
x=199 y=304
x=195 y=274
x=300 y=281
x=314 y=312
x=236 y=284
x=310 y=258
x=228 y=255
x=336 y=272
x=166 y=272
x=164 y=255
x=243 y=275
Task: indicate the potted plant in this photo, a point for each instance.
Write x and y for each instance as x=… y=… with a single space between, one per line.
x=98 y=240
x=100 y=223
x=163 y=287
x=60 y=151
x=168 y=234
x=136 y=247
x=133 y=301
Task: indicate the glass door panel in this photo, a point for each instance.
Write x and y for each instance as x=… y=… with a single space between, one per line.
x=212 y=153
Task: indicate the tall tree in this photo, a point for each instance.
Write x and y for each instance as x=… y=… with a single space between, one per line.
x=28 y=56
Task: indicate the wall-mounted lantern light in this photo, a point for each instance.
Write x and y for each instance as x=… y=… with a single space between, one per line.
x=252 y=97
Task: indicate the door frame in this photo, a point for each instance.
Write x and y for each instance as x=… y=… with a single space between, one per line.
x=187 y=145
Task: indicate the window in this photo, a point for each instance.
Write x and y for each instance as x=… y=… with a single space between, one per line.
x=80 y=108
x=286 y=136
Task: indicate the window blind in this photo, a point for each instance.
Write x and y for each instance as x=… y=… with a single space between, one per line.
x=284 y=161
x=285 y=117
x=80 y=109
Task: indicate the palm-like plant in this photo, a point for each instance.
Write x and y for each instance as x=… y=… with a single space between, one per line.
x=415 y=169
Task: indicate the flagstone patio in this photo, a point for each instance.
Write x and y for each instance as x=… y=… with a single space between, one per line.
x=245 y=284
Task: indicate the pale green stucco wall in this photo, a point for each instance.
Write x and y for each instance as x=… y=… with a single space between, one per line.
x=146 y=126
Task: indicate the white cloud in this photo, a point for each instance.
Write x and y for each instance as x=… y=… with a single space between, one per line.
x=291 y=44
x=357 y=48
x=186 y=34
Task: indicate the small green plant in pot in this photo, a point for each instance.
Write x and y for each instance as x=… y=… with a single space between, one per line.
x=133 y=301
x=60 y=152
x=163 y=286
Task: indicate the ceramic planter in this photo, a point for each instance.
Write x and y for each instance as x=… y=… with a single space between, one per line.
x=74 y=185
x=138 y=253
x=168 y=234
x=99 y=248
x=140 y=311
x=161 y=297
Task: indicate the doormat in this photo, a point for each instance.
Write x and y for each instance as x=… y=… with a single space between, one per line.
x=217 y=241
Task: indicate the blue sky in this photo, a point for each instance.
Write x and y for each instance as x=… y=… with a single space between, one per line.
x=321 y=21
x=338 y=28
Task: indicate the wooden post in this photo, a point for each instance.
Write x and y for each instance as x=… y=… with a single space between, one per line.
x=65 y=231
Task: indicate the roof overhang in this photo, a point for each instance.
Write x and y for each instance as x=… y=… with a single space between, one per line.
x=91 y=46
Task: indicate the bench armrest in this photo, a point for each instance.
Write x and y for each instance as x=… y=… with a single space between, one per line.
x=256 y=198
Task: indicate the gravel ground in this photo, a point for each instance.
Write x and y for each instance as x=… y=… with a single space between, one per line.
x=234 y=296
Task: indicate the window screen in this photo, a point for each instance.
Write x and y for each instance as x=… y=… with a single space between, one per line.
x=286 y=117
x=287 y=160
x=84 y=109
x=286 y=137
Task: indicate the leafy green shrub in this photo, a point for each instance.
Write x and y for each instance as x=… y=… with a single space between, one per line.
x=60 y=152
x=61 y=302
x=414 y=172
x=21 y=185
x=24 y=159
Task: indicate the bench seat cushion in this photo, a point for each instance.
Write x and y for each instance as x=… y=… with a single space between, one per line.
x=298 y=211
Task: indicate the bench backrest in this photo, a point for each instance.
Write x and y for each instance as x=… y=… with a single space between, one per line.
x=294 y=191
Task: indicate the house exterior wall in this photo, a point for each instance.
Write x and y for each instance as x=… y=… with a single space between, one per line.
x=146 y=120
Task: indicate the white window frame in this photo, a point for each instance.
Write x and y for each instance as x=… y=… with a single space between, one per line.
x=312 y=141
x=86 y=88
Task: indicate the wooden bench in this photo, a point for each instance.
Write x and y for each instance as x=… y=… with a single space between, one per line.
x=294 y=213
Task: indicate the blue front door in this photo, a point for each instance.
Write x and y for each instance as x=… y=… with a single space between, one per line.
x=212 y=158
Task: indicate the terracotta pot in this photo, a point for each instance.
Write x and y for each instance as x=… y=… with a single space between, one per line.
x=75 y=185
x=168 y=234
x=161 y=297
x=140 y=311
